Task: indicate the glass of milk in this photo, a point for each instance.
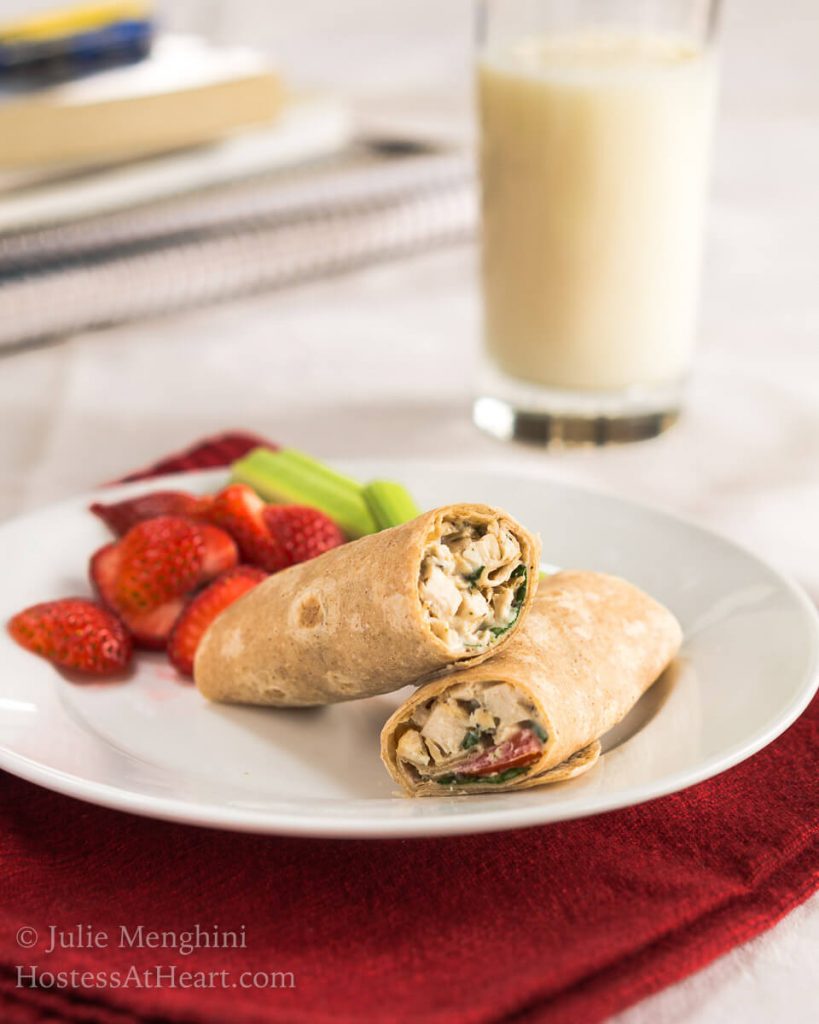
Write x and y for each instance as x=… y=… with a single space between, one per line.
x=595 y=123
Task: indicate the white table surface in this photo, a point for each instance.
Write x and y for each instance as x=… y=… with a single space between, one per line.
x=343 y=366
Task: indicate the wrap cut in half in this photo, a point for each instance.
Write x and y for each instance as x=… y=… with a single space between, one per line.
x=591 y=646
x=448 y=589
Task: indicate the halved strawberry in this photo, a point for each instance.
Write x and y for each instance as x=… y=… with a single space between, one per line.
x=240 y=511
x=120 y=516
x=220 y=552
x=160 y=559
x=75 y=633
x=149 y=629
x=302 y=532
x=202 y=610
x=103 y=570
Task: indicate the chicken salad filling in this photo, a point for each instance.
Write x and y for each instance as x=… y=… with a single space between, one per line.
x=472 y=583
x=472 y=733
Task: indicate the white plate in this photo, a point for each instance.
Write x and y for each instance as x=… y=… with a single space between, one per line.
x=153 y=746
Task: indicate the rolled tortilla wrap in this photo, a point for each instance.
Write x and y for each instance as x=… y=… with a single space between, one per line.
x=448 y=589
x=533 y=714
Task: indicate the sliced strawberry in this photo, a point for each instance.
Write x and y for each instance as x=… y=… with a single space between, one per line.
x=522 y=748
x=103 y=570
x=74 y=633
x=149 y=629
x=120 y=516
x=203 y=609
x=240 y=511
x=302 y=532
x=220 y=553
x=161 y=559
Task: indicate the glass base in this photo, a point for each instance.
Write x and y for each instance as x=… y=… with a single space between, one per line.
x=513 y=410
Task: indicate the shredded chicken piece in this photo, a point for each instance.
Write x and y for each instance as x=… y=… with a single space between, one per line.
x=463 y=722
x=503 y=702
x=412 y=748
x=447 y=725
x=472 y=583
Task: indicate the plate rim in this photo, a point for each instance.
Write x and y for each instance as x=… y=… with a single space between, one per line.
x=180 y=811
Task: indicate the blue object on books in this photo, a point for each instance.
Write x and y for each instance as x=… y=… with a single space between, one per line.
x=65 y=45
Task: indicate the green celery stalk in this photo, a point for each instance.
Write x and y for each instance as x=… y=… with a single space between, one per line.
x=390 y=503
x=291 y=477
x=305 y=462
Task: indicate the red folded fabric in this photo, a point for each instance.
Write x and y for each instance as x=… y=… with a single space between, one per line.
x=220 y=450
x=566 y=922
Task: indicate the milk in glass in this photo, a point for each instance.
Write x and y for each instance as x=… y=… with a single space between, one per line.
x=593 y=164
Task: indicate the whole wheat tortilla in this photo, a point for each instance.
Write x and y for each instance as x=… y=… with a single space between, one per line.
x=345 y=625
x=591 y=646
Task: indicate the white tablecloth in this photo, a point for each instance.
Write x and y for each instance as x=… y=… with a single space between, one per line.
x=342 y=366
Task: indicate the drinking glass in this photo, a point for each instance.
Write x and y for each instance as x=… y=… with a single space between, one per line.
x=595 y=124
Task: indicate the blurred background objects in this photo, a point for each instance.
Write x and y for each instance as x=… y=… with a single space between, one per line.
x=135 y=132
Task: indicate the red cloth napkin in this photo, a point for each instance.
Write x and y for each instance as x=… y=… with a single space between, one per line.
x=566 y=922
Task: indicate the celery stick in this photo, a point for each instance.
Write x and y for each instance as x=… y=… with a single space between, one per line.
x=300 y=460
x=290 y=477
x=390 y=503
